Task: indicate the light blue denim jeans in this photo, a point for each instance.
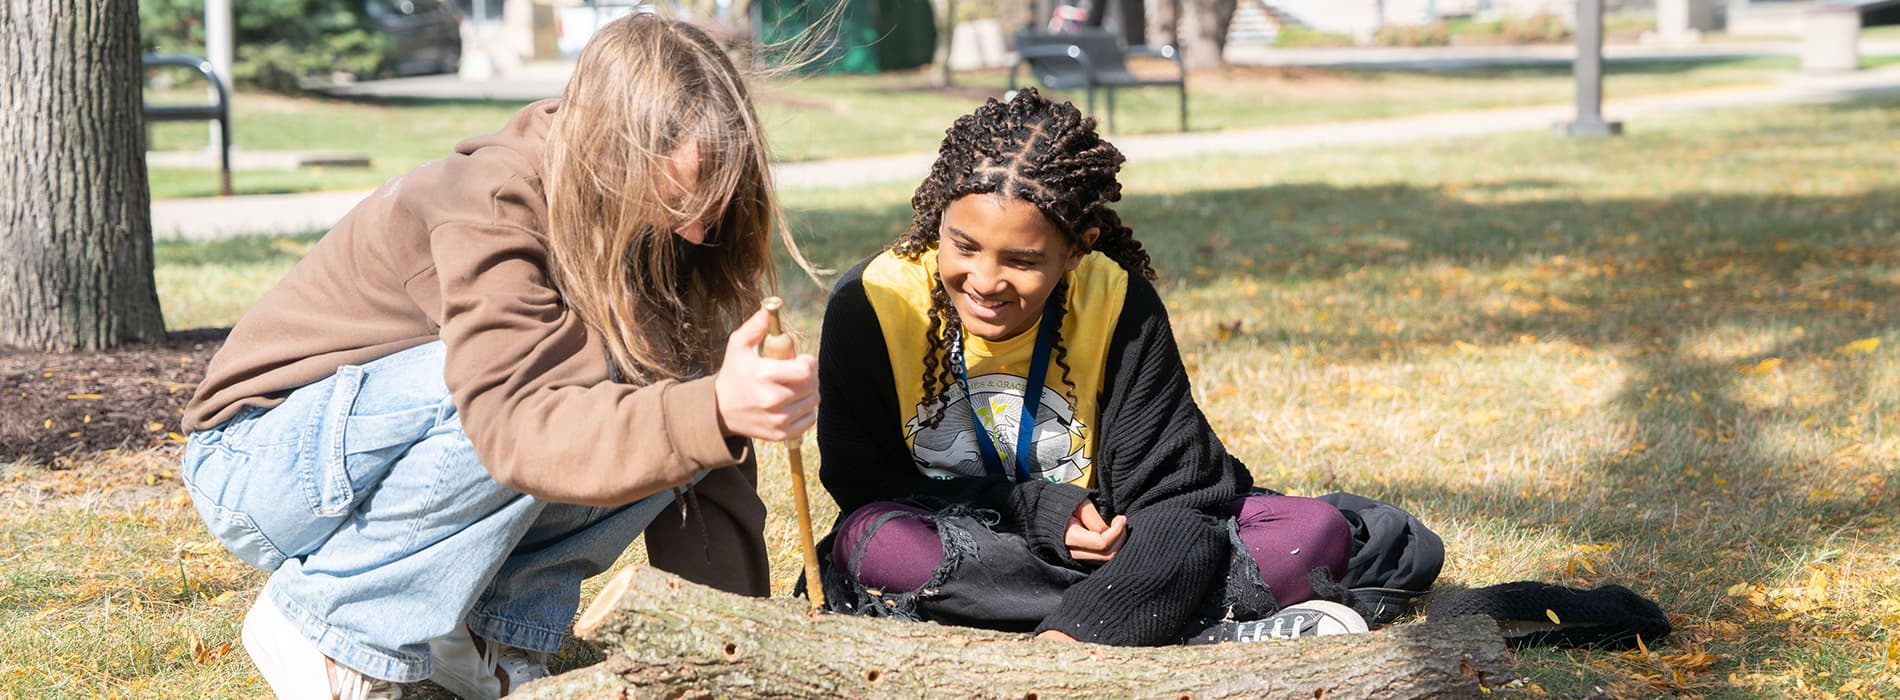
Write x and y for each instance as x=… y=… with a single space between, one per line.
x=363 y=497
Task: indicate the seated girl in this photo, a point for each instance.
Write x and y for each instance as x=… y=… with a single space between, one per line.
x=1008 y=426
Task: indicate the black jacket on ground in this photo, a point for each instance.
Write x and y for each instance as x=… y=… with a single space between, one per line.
x=1157 y=461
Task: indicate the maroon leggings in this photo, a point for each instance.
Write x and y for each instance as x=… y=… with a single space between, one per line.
x=1286 y=535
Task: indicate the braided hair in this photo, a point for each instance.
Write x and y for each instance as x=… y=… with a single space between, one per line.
x=1030 y=149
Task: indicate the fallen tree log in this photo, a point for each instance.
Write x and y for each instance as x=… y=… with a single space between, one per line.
x=666 y=637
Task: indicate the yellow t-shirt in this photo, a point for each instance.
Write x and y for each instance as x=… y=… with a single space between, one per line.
x=899 y=290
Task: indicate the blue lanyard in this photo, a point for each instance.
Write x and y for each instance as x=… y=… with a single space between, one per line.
x=1025 y=457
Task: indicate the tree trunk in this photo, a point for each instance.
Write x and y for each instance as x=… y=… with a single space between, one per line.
x=666 y=637
x=1203 y=31
x=946 y=10
x=1165 y=29
x=75 y=213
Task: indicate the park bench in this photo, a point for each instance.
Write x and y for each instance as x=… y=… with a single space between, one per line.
x=1092 y=59
x=219 y=110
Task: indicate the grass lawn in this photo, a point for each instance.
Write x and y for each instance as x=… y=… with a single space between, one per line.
x=1666 y=361
x=840 y=116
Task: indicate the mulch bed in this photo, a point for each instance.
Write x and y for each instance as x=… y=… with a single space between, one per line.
x=59 y=406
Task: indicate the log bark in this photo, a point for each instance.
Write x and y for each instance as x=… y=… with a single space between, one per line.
x=75 y=213
x=666 y=637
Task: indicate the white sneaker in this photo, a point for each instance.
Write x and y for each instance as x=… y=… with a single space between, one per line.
x=483 y=673
x=1313 y=618
x=296 y=670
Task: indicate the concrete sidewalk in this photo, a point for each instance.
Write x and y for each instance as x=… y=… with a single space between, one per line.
x=1456 y=58
x=212 y=217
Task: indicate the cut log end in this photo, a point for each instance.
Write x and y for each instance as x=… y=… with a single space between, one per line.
x=603 y=606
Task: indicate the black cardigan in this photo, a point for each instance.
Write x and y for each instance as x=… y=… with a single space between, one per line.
x=1157 y=461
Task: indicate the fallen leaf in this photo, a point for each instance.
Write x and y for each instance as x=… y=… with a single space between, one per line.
x=83 y=397
x=1863 y=346
x=1552 y=614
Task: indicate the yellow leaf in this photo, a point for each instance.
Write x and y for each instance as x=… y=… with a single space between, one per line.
x=1817 y=581
x=154 y=427
x=197 y=645
x=1863 y=346
x=224 y=597
x=87 y=397
x=49 y=424
x=175 y=437
x=1762 y=367
x=200 y=548
x=1641 y=646
x=1552 y=614
x=1462 y=345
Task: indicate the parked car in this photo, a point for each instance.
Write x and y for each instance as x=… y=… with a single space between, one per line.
x=427 y=33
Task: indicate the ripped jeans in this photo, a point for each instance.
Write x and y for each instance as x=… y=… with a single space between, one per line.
x=382 y=531
x=897 y=549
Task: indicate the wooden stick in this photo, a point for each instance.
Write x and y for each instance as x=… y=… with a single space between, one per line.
x=778 y=345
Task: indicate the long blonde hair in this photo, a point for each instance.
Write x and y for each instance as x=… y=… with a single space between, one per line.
x=645 y=87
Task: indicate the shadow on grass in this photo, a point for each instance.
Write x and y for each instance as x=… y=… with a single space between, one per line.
x=1704 y=480
x=241 y=250
x=1703 y=475
x=1708 y=478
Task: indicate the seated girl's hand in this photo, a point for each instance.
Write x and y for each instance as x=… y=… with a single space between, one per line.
x=1089 y=538
x=763 y=398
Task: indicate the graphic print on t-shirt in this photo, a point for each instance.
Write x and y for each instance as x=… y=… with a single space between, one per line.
x=900 y=293
x=950 y=449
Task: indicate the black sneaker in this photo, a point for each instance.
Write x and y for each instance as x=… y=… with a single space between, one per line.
x=1313 y=618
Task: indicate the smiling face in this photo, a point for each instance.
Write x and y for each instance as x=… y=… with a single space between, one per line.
x=999 y=259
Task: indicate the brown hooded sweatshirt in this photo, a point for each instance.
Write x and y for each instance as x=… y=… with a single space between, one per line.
x=457 y=250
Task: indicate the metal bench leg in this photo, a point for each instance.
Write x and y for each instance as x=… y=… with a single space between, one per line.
x=224 y=156
x=1184 y=106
